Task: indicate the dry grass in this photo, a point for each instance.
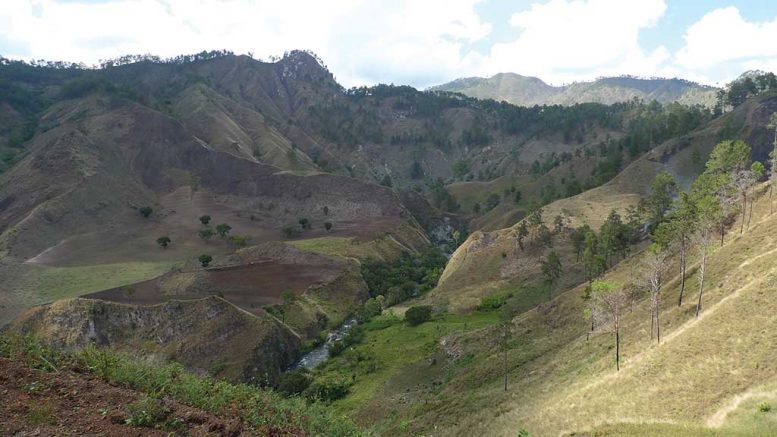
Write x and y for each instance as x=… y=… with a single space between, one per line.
x=564 y=383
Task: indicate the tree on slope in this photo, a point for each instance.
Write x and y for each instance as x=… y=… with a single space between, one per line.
x=594 y=266
x=521 y=233
x=205 y=260
x=757 y=170
x=676 y=234
x=551 y=270
x=659 y=201
x=730 y=162
x=773 y=158
x=164 y=241
x=206 y=233
x=608 y=303
x=534 y=221
x=652 y=270
x=709 y=213
x=223 y=229
x=577 y=237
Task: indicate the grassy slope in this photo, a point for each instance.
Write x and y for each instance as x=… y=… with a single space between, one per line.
x=707 y=377
x=564 y=383
x=478 y=268
x=31 y=285
x=401 y=370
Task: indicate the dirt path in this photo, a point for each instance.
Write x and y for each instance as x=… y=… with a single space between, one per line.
x=719 y=418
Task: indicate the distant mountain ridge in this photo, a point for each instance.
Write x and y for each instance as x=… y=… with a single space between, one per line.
x=529 y=91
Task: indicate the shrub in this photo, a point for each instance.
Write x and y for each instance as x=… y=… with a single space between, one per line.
x=304 y=223
x=205 y=260
x=370 y=309
x=328 y=226
x=239 y=240
x=764 y=407
x=328 y=389
x=290 y=232
x=146 y=412
x=164 y=241
x=355 y=335
x=146 y=211
x=416 y=315
x=205 y=219
x=223 y=229
x=494 y=300
x=206 y=233
x=294 y=383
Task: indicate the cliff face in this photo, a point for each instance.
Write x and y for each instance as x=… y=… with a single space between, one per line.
x=207 y=335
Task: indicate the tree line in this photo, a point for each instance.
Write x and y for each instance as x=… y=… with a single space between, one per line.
x=680 y=224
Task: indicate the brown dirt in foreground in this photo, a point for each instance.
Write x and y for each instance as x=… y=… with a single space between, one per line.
x=38 y=403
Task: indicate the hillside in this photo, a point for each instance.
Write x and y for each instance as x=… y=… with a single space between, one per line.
x=529 y=91
x=219 y=215
x=697 y=382
x=261 y=146
x=709 y=376
x=99 y=391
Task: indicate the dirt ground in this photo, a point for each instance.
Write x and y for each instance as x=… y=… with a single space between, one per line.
x=249 y=286
x=68 y=403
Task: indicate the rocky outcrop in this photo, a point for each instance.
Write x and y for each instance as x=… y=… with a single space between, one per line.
x=207 y=335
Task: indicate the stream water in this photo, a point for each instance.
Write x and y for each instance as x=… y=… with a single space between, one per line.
x=321 y=352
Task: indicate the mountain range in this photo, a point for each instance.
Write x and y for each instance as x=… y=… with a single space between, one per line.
x=233 y=216
x=529 y=91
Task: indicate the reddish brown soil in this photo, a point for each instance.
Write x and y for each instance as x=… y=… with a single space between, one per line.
x=38 y=403
x=249 y=286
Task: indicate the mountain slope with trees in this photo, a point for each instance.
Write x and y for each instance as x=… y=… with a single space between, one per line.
x=529 y=91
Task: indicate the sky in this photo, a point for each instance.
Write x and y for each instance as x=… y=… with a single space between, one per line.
x=416 y=42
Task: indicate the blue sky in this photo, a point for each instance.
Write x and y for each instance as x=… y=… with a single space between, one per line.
x=414 y=42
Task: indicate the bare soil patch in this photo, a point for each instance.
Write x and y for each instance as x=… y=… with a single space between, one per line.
x=70 y=403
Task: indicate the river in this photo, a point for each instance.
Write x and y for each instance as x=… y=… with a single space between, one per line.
x=321 y=352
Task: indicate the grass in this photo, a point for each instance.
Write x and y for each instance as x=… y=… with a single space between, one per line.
x=389 y=349
x=264 y=411
x=55 y=283
x=382 y=248
x=563 y=383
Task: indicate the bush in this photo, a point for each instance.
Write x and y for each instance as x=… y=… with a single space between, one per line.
x=416 y=315
x=370 y=309
x=291 y=232
x=223 y=229
x=328 y=389
x=146 y=412
x=294 y=383
x=495 y=300
x=355 y=335
x=205 y=260
x=239 y=240
x=146 y=211
x=764 y=407
x=164 y=241
x=403 y=278
x=206 y=233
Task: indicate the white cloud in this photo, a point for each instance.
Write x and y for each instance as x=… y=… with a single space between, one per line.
x=401 y=41
x=722 y=44
x=565 y=40
x=361 y=40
